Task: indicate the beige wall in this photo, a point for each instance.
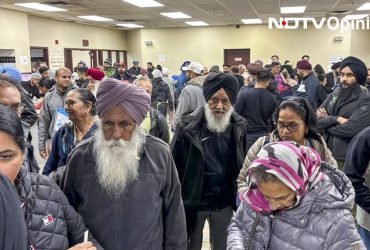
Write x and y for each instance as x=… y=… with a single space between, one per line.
x=14 y=35
x=360 y=45
x=134 y=46
x=206 y=44
x=44 y=32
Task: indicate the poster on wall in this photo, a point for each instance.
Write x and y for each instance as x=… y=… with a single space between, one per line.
x=161 y=58
x=23 y=60
x=56 y=59
x=332 y=60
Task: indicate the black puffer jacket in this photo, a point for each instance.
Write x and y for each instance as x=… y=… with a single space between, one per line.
x=161 y=93
x=52 y=223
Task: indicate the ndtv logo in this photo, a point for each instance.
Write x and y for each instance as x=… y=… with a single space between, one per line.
x=333 y=23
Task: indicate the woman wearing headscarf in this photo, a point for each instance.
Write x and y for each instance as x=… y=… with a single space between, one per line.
x=295 y=121
x=294 y=201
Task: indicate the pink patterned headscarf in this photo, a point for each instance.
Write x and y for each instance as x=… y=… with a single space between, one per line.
x=296 y=166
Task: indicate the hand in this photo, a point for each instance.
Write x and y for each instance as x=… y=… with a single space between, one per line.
x=341 y=120
x=90 y=87
x=321 y=112
x=43 y=154
x=83 y=246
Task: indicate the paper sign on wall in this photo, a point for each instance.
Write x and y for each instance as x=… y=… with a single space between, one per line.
x=23 y=60
x=161 y=58
x=332 y=60
x=56 y=59
x=238 y=59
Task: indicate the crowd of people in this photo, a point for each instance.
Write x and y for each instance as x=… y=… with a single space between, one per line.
x=272 y=156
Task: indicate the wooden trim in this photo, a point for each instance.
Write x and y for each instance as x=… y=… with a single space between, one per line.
x=100 y=57
x=68 y=59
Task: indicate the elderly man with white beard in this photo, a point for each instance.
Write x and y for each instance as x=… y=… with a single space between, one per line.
x=209 y=148
x=124 y=183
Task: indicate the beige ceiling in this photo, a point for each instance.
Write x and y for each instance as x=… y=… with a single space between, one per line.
x=213 y=12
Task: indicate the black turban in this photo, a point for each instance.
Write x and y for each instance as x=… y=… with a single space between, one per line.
x=357 y=66
x=215 y=82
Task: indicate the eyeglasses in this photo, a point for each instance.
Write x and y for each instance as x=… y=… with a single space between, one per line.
x=292 y=127
x=70 y=103
x=17 y=108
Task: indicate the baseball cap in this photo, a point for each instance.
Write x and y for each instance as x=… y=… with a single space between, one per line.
x=196 y=67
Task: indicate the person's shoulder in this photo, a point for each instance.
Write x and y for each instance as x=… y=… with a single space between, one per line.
x=82 y=148
x=38 y=180
x=154 y=144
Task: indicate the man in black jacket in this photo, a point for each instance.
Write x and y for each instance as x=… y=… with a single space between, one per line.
x=357 y=169
x=154 y=123
x=346 y=111
x=333 y=77
x=310 y=86
x=209 y=147
x=122 y=74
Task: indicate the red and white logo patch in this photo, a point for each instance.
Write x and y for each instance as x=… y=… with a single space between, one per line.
x=48 y=219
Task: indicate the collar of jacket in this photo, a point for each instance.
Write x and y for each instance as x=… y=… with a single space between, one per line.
x=199 y=80
x=89 y=154
x=309 y=75
x=23 y=186
x=194 y=120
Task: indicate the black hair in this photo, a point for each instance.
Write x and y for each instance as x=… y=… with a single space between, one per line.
x=264 y=75
x=86 y=96
x=43 y=69
x=45 y=82
x=274 y=56
x=319 y=70
x=301 y=107
x=235 y=69
x=159 y=67
x=321 y=77
x=286 y=61
x=274 y=64
x=228 y=65
x=150 y=63
x=11 y=124
x=305 y=56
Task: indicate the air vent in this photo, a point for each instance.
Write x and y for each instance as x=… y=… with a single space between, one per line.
x=341 y=12
x=61 y=3
x=127 y=20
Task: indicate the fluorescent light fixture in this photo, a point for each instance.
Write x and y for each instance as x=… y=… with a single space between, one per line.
x=175 y=15
x=197 y=23
x=39 y=6
x=130 y=25
x=96 y=18
x=292 y=10
x=355 y=17
x=365 y=6
x=144 y=3
x=252 y=21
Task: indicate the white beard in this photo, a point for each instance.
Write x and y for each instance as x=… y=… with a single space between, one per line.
x=117 y=161
x=217 y=125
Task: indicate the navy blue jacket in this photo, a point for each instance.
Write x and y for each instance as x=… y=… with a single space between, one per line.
x=62 y=145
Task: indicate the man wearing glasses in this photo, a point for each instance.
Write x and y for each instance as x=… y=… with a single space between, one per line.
x=346 y=111
x=53 y=109
x=10 y=96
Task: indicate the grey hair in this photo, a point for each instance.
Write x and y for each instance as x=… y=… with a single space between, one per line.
x=261 y=176
x=144 y=79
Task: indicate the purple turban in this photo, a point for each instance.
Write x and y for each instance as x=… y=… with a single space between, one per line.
x=131 y=99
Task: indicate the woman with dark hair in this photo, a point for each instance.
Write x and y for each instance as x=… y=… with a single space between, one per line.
x=295 y=120
x=52 y=223
x=293 y=200
x=81 y=109
x=319 y=70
